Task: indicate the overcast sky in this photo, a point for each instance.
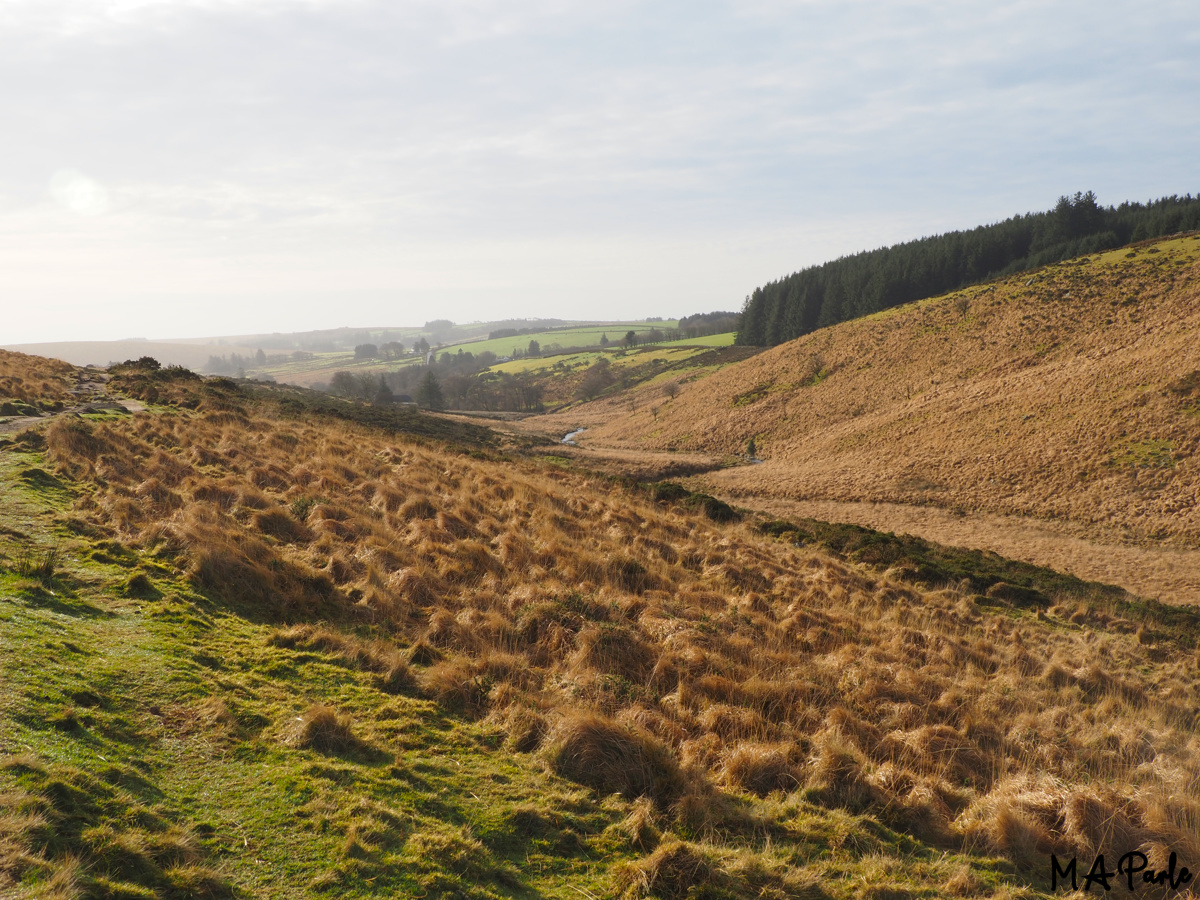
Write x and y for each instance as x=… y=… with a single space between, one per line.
x=176 y=168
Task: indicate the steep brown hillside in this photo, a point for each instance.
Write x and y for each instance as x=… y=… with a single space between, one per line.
x=1072 y=394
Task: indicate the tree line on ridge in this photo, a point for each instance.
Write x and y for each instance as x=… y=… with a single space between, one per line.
x=868 y=282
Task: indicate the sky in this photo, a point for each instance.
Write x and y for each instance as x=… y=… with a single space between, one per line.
x=186 y=168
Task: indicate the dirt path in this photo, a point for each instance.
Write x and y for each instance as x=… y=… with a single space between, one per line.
x=91 y=389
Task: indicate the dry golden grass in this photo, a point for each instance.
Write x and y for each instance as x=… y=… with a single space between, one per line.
x=1148 y=569
x=35 y=380
x=646 y=650
x=1072 y=394
x=323 y=728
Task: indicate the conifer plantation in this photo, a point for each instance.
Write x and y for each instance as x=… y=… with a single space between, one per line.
x=868 y=282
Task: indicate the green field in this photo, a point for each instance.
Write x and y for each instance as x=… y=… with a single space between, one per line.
x=583 y=336
x=323 y=365
x=675 y=352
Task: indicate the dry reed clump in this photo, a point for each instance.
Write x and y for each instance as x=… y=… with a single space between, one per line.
x=282 y=526
x=540 y=599
x=525 y=727
x=457 y=683
x=1027 y=815
x=608 y=757
x=616 y=650
x=324 y=729
x=640 y=828
x=670 y=872
x=77 y=445
x=761 y=769
x=836 y=773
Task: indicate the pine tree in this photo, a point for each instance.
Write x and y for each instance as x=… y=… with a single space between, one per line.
x=429 y=392
x=384 y=395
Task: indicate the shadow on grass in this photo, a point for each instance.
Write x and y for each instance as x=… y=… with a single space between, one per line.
x=64 y=602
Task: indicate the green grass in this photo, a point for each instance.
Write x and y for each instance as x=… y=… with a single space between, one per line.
x=712 y=340
x=148 y=730
x=1150 y=454
x=545 y=364
x=580 y=336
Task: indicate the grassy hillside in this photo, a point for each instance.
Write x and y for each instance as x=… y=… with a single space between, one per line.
x=320 y=368
x=30 y=385
x=101 y=353
x=1070 y=393
x=562 y=377
x=256 y=649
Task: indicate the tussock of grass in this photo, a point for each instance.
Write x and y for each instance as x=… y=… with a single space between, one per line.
x=760 y=769
x=612 y=758
x=672 y=872
x=324 y=729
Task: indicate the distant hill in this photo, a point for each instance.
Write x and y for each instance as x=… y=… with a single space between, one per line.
x=1072 y=393
x=308 y=357
x=868 y=282
x=101 y=353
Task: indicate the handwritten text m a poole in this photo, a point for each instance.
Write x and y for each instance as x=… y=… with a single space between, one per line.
x=1129 y=866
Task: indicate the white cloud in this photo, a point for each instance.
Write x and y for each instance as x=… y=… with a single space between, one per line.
x=348 y=132
x=78 y=193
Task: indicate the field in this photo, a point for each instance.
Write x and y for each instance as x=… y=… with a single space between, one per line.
x=258 y=642
x=1068 y=396
x=322 y=366
x=670 y=351
x=565 y=338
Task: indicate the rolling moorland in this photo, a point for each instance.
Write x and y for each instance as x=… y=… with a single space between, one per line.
x=257 y=642
x=1052 y=416
x=309 y=357
x=319 y=370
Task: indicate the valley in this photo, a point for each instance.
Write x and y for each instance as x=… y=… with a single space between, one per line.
x=1050 y=417
x=938 y=628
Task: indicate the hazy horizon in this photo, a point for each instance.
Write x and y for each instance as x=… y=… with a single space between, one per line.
x=183 y=168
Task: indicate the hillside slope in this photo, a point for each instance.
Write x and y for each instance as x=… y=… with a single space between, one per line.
x=1071 y=394
x=255 y=648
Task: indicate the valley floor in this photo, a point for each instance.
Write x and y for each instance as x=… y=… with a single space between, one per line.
x=1167 y=573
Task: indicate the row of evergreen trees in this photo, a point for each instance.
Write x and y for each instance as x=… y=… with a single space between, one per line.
x=867 y=282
